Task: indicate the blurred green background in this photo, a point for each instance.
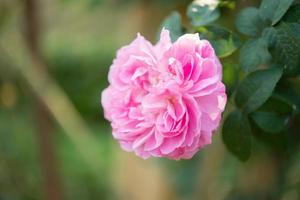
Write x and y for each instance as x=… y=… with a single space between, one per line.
x=54 y=141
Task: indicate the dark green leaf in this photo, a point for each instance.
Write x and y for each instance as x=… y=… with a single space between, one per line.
x=230 y=76
x=269 y=35
x=286 y=47
x=253 y=54
x=274 y=10
x=256 y=88
x=249 y=22
x=270 y=122
x=286 y=93
x=202 y=15
x=277 y=142
x=293 y=14
x=237 y=135
x=224 y=41
x=277 y=104
x=224 y=48
x=173 y=24
x=295 y=29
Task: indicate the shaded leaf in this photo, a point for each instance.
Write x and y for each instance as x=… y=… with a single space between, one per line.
x=277 y=142
x=254 y=53
x=286 y=93
x=224 y=41
x=274 y=10
x=270 y=122
x=286 y=46
x=236 y=135
x=230 y=76
x=269 y=35
x=202 y=15
x=256 y=88
x=293 y=14
x=276 y=103
x=295 y=28
x=249 y=22
x=173 y=24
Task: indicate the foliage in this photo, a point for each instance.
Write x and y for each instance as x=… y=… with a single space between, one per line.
x=265 y=100
x=237 y=136
x=79 y=40
x=173 y=24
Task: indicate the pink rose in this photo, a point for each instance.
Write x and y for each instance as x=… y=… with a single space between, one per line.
x=165 y=100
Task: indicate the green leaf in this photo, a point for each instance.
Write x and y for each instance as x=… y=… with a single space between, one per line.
x=223 y=47
x=230 y=76
x=173 y=24
x=202 y=15
x=277 y=142
x=253 y=54
x=274 y=10
x=236 y=135
x=224 y=41
x=293 y=14
x=288 y=94
x=286 y=48
x=269 y=35
x=295 y=29
x=227 y=4
x=256 y=88
x=276 y=103
x=270 y=122
x=249 y=22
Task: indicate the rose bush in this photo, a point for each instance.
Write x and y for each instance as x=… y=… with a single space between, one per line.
x=166 y=100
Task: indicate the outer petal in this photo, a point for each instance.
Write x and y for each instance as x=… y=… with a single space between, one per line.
x=163 y=44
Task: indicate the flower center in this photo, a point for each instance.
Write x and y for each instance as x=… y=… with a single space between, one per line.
x=154 y=80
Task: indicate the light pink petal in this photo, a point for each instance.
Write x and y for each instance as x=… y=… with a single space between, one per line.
x=142 y=139
x=170 y=144
x=163 y=44
x=153 y=102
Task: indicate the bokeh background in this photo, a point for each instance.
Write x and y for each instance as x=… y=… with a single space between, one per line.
x=54 y=141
